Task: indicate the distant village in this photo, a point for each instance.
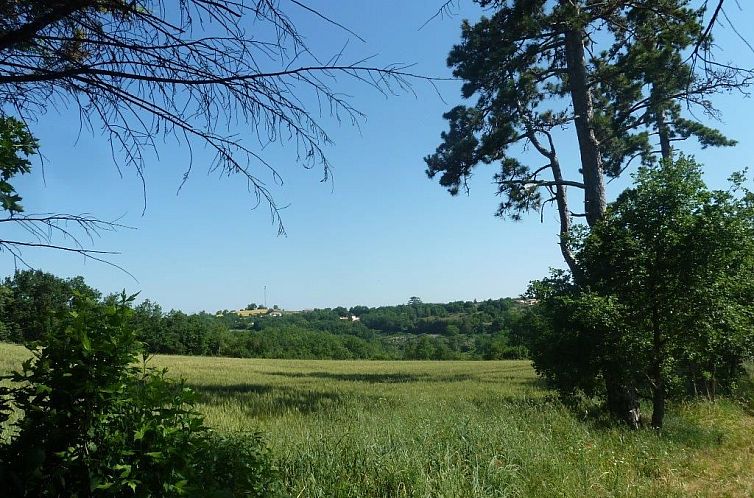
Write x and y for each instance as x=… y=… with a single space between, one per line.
x=252 y=311
x=259 y=311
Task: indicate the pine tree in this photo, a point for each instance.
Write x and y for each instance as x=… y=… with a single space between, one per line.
x=614 y=71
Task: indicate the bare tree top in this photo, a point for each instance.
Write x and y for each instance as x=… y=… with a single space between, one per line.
x=192 y=69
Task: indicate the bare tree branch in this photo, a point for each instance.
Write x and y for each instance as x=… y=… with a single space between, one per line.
x=45 y=228
x=444 y=9
x=711 y=24
x=194 y=70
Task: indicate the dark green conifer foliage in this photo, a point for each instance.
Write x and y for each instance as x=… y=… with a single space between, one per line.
x=615 y=71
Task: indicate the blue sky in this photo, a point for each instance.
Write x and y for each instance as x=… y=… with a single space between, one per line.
x=379 y=233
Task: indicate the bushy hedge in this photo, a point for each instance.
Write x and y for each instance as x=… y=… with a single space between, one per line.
x=96 y=421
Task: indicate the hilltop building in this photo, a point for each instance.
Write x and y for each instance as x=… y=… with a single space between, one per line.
x=255 y=312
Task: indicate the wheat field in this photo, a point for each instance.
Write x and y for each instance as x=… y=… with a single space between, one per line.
x=457 y=429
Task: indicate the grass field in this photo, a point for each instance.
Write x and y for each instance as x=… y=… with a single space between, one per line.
x=457 y=429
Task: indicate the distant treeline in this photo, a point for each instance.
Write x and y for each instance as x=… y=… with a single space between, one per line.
x=31 y=302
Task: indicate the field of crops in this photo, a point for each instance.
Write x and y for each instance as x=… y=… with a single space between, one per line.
x=457 y=429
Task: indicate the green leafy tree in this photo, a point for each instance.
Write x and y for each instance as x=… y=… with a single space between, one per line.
x=36 y=301
x=16 y=145
x=423 y=349
x=148 y=326
x=575 y=343
x=665 y=304
x=6 y=300
x=528 y=67
x=358 y=310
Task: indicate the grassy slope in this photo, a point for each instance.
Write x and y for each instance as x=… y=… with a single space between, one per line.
x=466 y=429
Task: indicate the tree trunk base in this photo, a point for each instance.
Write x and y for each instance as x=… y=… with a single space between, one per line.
x=623 y=404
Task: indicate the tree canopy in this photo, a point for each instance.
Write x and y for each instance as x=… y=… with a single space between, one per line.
x=616 y=71
x=665 y=300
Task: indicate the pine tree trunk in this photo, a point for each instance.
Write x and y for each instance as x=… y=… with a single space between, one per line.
x=621 y=398
x=595 y=202
x=658 y=402
x=565 y=217
x=664 y=133
x=658 y=388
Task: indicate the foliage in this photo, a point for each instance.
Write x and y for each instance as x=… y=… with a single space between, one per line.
x=31 y=303
x=36 y=301
x=97 y=423
x=664 y=301
x=16 y=145
x=614 y=71
x=419 y=331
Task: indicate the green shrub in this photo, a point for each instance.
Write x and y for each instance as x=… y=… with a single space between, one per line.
x=97 y=422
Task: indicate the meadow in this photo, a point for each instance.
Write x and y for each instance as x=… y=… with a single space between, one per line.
x=457 y=429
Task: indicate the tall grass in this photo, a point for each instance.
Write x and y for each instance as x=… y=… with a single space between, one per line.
x=458 y=429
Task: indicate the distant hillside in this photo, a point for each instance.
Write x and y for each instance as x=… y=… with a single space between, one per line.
x=31 y=303
x=491 y=329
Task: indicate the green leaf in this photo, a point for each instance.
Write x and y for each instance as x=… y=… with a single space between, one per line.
x=86 y=343
x=139 y=435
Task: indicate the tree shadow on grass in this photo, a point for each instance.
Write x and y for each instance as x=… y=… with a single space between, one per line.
x=387 y=378
x=678 y=430
x=692 y=435
x=260 y=401
x=534 y=382
x=744 y=391
x=229 y=389
x=377 y=378
x=519 y=402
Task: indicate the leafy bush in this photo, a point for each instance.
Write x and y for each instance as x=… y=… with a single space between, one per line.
x=97 y=422
x=661 y=305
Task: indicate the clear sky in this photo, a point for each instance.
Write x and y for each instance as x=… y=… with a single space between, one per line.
x=379 y=233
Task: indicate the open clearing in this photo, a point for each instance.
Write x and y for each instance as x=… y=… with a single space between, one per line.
x=456 y=429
